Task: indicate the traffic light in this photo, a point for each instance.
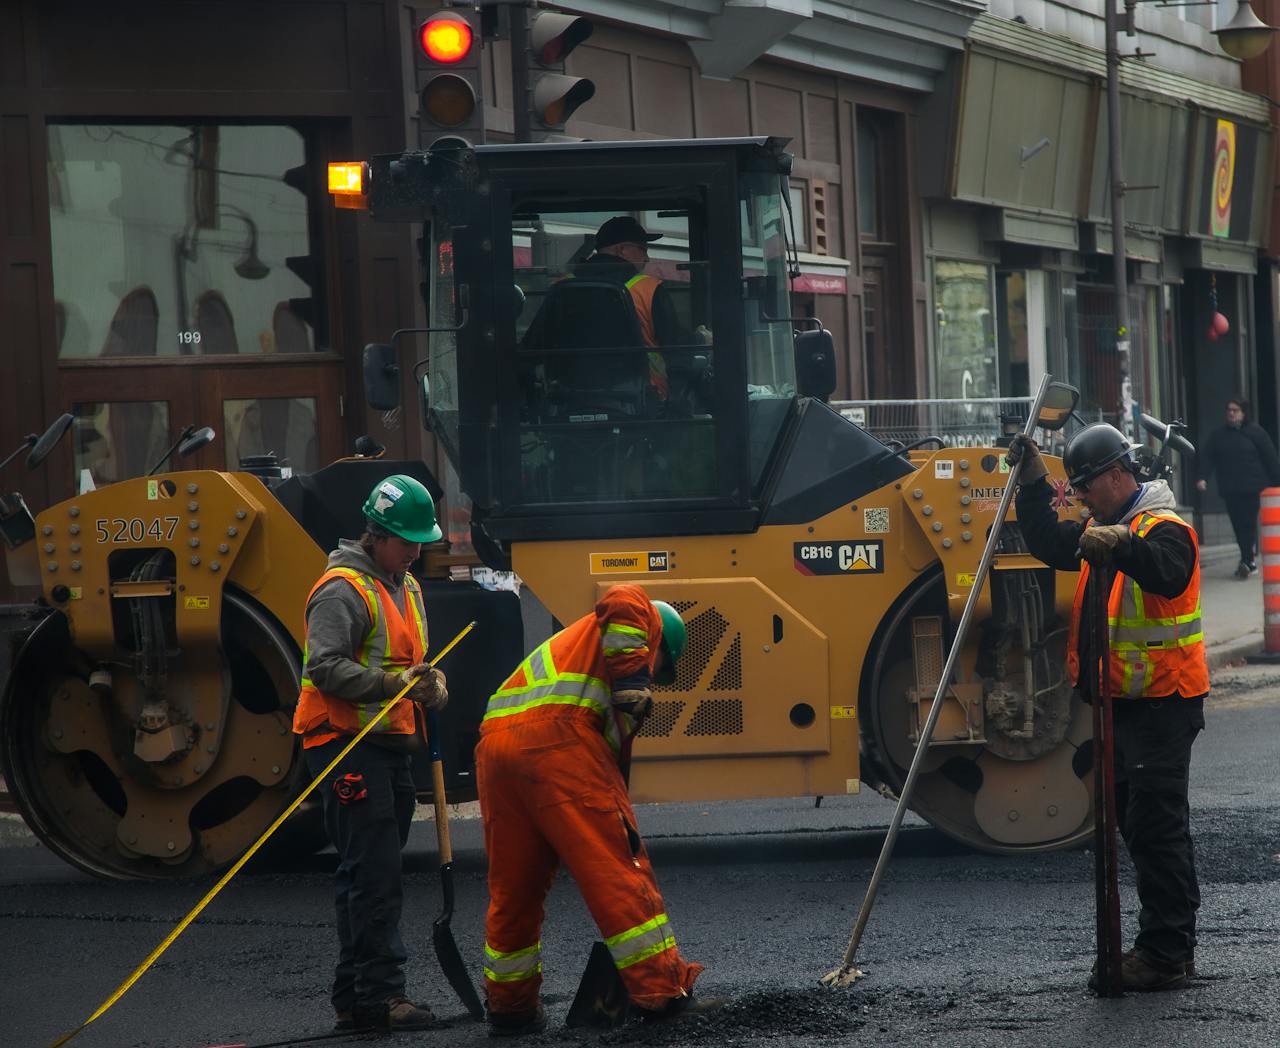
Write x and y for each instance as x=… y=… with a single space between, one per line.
x=553 y=97
x=447 y=75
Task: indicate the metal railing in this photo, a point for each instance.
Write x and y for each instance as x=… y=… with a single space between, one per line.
x=960 y=423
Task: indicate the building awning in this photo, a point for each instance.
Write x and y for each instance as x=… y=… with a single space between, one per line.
x=1030 y=137
x=897 y=43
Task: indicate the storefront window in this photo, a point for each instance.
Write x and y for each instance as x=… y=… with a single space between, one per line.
x=965 y=330
x=118 y=440
x=171 y=241
x=280 y=426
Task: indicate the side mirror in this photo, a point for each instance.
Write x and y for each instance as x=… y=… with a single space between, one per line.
x=815 y=364
x=201 y=437
x=1060 y=401
x=424 y=400
x=49 y=440
x=381 y=376
x=1166 y=434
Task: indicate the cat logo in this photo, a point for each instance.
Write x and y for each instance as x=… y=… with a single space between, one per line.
x=843 y=557
x=637 y=563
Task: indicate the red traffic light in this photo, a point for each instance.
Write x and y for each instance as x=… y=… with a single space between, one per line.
x=445 y=38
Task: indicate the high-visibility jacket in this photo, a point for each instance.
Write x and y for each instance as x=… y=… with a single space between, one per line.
x=396 y=640
x=573 y=673
x=642 y=288
x=1157 y=643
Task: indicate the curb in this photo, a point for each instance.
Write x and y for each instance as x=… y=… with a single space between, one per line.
x=1234 y=650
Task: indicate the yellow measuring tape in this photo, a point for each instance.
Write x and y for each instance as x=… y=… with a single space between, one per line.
x=155 y=954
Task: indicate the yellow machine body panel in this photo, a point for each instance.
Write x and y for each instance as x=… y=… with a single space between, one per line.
x=218 y=529
x=782 y=622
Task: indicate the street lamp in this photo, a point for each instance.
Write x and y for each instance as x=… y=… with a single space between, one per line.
x=1246 y=35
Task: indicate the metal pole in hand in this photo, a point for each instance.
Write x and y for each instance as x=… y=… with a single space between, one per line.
x=846 y=974
x=1106 y=886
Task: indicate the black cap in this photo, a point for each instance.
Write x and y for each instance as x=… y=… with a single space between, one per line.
x=623 y=229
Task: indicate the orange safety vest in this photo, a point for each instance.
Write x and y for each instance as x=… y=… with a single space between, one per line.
x=572 y=673
x=395 y=641
x=643 y=288
x=1157 y=643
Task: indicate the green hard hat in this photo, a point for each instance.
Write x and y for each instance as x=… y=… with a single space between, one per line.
x=674 y=639
x=404 y=507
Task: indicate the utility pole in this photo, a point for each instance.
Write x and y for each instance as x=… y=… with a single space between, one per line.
x=1115 y=165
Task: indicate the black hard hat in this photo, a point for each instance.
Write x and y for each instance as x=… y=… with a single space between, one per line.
x=1094 y=450
x=623 y=229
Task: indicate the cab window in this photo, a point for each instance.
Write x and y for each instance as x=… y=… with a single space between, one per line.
x=614 y=350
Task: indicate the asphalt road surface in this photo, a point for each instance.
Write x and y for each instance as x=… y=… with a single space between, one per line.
x=962 y=949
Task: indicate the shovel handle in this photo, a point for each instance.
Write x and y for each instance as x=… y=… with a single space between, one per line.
x=432 y=732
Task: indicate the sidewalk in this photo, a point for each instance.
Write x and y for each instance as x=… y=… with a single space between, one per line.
x=1231 y=607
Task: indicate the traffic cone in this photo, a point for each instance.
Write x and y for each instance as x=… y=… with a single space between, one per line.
x=1269 y=553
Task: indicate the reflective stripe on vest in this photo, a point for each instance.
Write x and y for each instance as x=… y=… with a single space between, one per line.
x=643 y=288
x=641 y=942
x=1151 y=654
x=623 y=640
x=544 y=685
x=396 y=639
x=512 y=966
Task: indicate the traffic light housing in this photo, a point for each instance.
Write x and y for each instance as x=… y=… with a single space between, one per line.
x=553 y=96
x=447 y=75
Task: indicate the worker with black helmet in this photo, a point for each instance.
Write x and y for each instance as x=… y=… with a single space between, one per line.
x=366 y=638
x=1157 y=669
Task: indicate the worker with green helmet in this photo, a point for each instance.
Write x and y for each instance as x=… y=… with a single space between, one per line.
x=551 y=768
x=366 y=638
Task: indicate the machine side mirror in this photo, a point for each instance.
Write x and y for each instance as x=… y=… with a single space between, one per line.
x=199 y=439
x=815 y=364
x=1166 y=434
x=381 y=376
x=424 y=400
x=49 y=440
x=1060 y=401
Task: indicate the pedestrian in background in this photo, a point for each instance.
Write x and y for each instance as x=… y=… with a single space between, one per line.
x=554 y=744
x=1156 y=669
x=1245 y=460
x=366 y=638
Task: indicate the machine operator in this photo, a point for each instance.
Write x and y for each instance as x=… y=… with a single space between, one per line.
x=550 y=767
x=1158 y=674
x=366 y=637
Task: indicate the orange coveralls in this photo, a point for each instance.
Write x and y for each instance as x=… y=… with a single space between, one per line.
x=551 y=791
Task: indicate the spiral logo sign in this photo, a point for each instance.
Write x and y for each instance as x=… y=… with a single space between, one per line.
x=1224 y=176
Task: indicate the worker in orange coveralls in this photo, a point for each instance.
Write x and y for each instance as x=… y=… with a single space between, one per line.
x=553 y=745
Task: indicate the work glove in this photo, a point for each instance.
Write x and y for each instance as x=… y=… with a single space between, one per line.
x=635 y=702
x=1023 y=448
x=1101 y=543
x=428 y=689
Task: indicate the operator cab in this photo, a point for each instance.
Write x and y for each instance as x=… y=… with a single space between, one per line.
x=566 y=411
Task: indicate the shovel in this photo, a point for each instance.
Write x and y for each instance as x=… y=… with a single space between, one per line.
x=441 y=934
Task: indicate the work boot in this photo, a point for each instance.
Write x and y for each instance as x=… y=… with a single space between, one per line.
x=517 y=1024
x=678 y=1009
x=394 y=1015
x=1139 y=974
x=1189 y=967
x=343 y=1022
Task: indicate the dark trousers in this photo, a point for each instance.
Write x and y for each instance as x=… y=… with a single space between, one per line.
x=368 y=833
x=1153 y=761
x=1243 y=511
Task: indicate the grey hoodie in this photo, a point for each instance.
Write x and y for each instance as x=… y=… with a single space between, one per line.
x=337 y=622
x=1153 y=496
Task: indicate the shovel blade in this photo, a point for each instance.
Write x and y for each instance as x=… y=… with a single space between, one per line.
x=602 y=1001
x=454 y=970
